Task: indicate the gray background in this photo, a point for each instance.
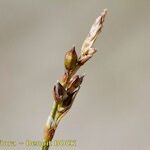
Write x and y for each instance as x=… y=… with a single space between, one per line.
x=112 y=109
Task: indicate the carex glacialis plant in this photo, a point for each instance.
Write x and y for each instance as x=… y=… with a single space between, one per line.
x=66 y=89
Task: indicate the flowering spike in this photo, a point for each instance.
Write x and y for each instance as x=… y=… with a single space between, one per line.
x=66 y=90
x=70 y=59
x=59 y=93
x=74 y=83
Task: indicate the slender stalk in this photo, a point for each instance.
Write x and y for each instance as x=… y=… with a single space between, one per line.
x=49 y=130
x=54 y=110
x=67 y=88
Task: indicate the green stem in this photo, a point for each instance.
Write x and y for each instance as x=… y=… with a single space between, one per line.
x=54 y=110
x=52 y=115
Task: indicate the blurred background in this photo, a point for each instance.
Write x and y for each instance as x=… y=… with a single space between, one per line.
x=112 y=109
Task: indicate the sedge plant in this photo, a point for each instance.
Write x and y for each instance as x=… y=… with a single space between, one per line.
x=66 y=89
